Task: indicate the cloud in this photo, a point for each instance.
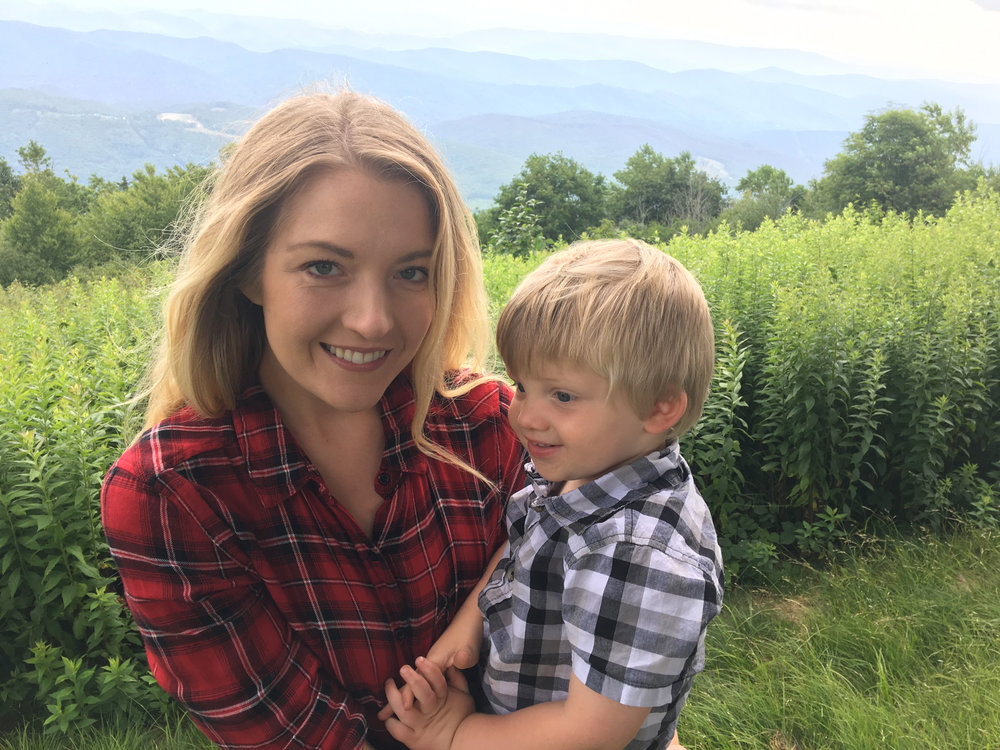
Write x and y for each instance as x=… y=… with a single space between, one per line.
x=988 y=4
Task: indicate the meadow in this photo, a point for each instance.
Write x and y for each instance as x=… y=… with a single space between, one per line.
x=848 y=453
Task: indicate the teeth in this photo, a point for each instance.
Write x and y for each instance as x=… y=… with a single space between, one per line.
x=357 y=358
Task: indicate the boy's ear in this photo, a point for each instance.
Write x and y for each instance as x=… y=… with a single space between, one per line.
x=666 y=413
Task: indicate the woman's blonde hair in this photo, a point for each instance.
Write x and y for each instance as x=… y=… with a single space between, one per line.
x=630 y=312
x=213 y=335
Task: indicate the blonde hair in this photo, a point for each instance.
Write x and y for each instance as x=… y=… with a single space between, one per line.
x=630 y=312
x=213 y=335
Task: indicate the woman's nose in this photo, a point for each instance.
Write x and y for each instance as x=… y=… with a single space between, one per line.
x=368 y=311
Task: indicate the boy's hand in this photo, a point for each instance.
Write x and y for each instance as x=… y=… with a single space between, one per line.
x=457 y=647
x=428 y=722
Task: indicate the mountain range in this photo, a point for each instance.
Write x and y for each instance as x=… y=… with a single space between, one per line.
x=106 y=94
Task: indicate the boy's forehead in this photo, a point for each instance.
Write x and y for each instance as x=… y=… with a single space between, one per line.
x=553 y=371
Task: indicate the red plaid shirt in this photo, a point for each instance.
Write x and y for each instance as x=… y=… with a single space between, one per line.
x=264 y=608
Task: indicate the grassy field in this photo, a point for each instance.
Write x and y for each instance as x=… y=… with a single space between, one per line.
x=858 y=374
x=893 y=647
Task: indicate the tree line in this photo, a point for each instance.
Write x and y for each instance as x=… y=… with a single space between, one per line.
x=901 y=160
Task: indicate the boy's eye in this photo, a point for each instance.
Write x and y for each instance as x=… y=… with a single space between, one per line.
x=414 y=274
x=518 y=387
x=323 y=268
x=563 y=397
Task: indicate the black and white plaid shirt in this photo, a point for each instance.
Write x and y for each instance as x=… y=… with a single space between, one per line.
x=615 y=582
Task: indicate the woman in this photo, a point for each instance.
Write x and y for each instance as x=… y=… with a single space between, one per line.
x=321 y=482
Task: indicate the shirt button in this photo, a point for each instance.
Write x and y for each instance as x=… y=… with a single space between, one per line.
x=383 y=478
x=510 y=573
x=402 y=633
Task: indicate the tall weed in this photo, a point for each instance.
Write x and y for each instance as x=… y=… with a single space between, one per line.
x=71 y=355
x=858 y=378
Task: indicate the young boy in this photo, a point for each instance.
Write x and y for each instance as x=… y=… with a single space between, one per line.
x=595 y=614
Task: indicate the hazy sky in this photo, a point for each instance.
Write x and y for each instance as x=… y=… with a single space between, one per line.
x=945 y=38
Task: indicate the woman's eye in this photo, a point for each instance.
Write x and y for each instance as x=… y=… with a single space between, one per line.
x=564 y=397
x=323 y=268
x=414 y=274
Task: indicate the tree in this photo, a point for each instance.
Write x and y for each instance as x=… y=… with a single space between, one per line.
x=516 y=229
x=39 y=237
x=33 y=158
x=134 y=220
x=765 y=192
x=902 y=160
x=569 y=197
x=672 y=192
x=9 y=184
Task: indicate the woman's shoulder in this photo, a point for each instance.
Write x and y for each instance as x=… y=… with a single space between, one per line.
x=175 y=441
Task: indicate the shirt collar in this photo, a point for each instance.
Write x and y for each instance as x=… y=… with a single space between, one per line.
x=665 y=466
x=276 y=463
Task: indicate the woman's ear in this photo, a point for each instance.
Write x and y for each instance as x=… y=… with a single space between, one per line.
x=666 y=413
x=252 y=292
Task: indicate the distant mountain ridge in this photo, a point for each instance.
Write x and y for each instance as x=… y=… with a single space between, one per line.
x=96 y=100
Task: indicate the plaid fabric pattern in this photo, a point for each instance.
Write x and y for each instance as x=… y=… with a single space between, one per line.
x=263 y=607
x=614 y=582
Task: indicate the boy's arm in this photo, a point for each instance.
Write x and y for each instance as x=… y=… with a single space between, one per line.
x=586 y=720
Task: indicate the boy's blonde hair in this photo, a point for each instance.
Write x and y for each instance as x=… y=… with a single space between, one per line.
x=214 y=336
x=630 y=312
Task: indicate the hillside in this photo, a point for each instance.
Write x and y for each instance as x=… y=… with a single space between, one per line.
x=106 y=101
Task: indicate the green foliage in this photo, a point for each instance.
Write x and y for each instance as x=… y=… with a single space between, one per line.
x=858 y=379
x=571 y=196
x=765 y=193
x=40 y=239
x=50 y=226
x=872 y=372
x=668 y=192
x=516 y=230
x=72 y=354
x=136 y=220
x=9 y=185
x=901 y=160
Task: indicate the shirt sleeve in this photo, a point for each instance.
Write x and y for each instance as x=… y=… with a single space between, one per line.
x=213 y=638
x=635 y=618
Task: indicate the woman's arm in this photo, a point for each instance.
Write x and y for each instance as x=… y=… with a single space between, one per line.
x=214 y=638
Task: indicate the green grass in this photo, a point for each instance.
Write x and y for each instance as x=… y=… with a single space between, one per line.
x=183 y=736
x=895 y=646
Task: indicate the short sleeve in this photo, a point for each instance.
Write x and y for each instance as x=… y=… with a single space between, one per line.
x=635 y=618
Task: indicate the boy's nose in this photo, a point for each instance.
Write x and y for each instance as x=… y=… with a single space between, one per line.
x=526 y=415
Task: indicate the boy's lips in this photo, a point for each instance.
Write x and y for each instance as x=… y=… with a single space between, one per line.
x=541 y=450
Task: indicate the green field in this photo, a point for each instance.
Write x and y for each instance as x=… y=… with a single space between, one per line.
x=848 y=453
